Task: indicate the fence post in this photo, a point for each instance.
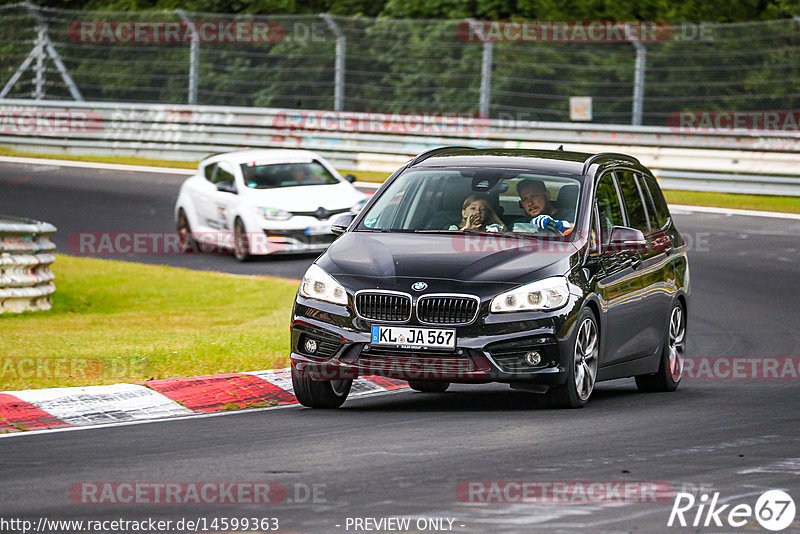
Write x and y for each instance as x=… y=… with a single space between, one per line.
x=341 y=52
x=638 y=77
x=194 y=56
x=486 y=68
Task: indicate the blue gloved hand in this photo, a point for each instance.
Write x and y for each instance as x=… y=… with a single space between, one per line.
x=543 y=222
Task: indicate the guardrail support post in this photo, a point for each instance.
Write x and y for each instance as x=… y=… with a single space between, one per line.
x=194 y=57
x=341 y=54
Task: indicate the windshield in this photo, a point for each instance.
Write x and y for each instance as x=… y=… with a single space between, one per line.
x=491 y=200
x=270 y=176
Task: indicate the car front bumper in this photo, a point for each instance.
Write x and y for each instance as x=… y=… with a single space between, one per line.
x=492 y=349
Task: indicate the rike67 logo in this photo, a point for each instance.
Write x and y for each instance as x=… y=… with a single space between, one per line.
x=774 y=510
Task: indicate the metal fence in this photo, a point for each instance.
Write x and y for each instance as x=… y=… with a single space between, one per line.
x=764 y=162
x=386 y=65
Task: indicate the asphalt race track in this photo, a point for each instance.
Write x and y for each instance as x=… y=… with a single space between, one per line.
x=407 y=454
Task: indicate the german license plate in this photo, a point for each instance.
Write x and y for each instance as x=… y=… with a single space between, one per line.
x=412 y=337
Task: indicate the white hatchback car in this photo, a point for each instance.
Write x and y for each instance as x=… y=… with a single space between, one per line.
x=263 y=202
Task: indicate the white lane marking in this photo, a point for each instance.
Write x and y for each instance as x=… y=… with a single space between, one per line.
x=94 y=165
x=92 y=405
x=789 y=466
x=680 y=208
x=224 y=413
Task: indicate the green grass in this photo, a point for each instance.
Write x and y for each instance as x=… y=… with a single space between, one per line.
x=364 y=176
x=115 y=322
x=734 y=200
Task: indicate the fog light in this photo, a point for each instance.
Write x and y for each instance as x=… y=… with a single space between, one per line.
x=533 y=358
x=311 y=346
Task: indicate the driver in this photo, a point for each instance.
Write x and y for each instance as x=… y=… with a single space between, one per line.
x=534 y=198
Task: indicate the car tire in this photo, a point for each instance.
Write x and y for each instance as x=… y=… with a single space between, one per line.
x=670 y=367
x=582 y=374
x=429 y=386
x=320 y=393
x=241 y=243
x=185 y=235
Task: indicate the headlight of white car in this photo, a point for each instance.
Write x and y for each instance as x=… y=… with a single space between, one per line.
x=542 y=295
x=274 y=214
x=317 y=284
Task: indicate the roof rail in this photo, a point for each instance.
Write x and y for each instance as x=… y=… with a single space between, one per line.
x=603 y=155
x=434 y=151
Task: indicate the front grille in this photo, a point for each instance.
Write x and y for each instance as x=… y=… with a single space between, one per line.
x=384 y=306
x=447 y=310
x=300 y=238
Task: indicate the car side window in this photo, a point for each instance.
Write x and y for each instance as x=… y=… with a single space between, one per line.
x=208 y=171
x=223 y=173
x=608 y=207
x=632 y=199
x=657 y=199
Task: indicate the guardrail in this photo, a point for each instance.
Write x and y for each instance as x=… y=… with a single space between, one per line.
x=26 y=280
x=740 y=162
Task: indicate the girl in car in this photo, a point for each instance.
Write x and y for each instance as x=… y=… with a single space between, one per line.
x=478 y=214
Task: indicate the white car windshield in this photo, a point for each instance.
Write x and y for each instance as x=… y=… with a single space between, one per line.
x=483 y=199
x=274 y=175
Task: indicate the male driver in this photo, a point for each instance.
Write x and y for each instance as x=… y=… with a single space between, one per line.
x=534 y=198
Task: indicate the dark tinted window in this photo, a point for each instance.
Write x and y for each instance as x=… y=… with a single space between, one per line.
x=634 y=206
x=209 y=171
x=273 y=175
x=657 y=198
x=608 y=207
x=224 y=173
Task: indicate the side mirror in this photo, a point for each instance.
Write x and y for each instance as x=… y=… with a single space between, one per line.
x=341 y=222
x=226 y=187
x=625 y=238
x=350 y=178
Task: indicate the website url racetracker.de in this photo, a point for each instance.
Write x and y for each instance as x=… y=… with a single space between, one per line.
x=90 y=526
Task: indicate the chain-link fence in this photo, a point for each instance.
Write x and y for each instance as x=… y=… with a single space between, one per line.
x=385 y=65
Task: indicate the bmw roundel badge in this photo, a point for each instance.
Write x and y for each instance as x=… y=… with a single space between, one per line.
x=419 y=286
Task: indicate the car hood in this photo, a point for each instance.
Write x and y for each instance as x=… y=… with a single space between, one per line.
x=465 y=258
x=307 y=197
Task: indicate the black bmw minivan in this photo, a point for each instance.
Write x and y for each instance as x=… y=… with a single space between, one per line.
x=545 y=270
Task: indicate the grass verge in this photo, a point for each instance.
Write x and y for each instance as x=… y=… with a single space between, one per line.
x=734 y=200
x=115 y=321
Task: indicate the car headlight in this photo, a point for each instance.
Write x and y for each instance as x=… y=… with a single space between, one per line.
x=274 y=214
x=542 y=295
x=317 y=284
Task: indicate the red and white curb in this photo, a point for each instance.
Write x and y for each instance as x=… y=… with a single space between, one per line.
x=40 y=409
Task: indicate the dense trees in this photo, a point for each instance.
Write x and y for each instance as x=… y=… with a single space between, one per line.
x=685 y=10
